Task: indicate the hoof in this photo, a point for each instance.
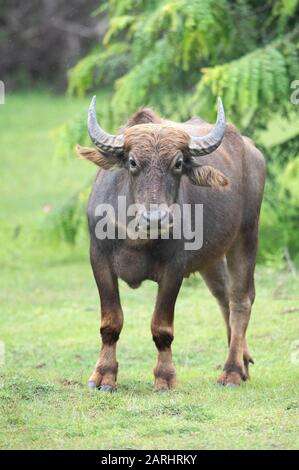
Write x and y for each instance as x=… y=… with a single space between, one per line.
x=161 y=391
x=165 y=384
x=232 y=378
x=106 y=388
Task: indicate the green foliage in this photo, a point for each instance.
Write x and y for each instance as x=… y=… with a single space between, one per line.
x=290 y=178
x=259 y=78
x=284 y=9
x=99 y=67
x=246 y=53
x=280 y=213
x=72 y=131
x=66 y=221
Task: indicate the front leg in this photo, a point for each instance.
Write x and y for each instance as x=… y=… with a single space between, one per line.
x=105 y=372
x=162 y=329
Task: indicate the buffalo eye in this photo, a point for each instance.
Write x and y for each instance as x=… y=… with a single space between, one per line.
x=132 y=164
x=178 y=165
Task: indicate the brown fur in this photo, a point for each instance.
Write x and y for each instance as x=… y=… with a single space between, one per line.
x=208 y=176
x=152 y=140
x=143 y=116
x=94 y=156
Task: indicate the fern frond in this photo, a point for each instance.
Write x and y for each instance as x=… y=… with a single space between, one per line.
x=135 y=88
x=118 y=24
x=200 y=28
x=257 y=80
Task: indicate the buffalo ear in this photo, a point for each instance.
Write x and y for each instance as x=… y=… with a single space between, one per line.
x=207 y=176
x=93 y=155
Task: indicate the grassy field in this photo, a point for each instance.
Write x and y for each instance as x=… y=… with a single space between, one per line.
x=49 y=326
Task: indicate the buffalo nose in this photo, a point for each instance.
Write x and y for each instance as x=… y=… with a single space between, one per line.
x=153 y=216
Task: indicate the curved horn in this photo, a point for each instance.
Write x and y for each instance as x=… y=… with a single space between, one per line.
x=203 y=145
x=106 y=143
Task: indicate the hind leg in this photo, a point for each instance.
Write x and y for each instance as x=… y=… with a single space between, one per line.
x=241 y=264
x=217 y=280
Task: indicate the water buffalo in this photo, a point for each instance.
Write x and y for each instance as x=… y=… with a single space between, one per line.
x=153 y=162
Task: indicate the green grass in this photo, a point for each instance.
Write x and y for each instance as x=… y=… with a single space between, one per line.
x=49 y=323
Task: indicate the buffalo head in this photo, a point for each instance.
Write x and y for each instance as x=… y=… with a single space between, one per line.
x=156 y=155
